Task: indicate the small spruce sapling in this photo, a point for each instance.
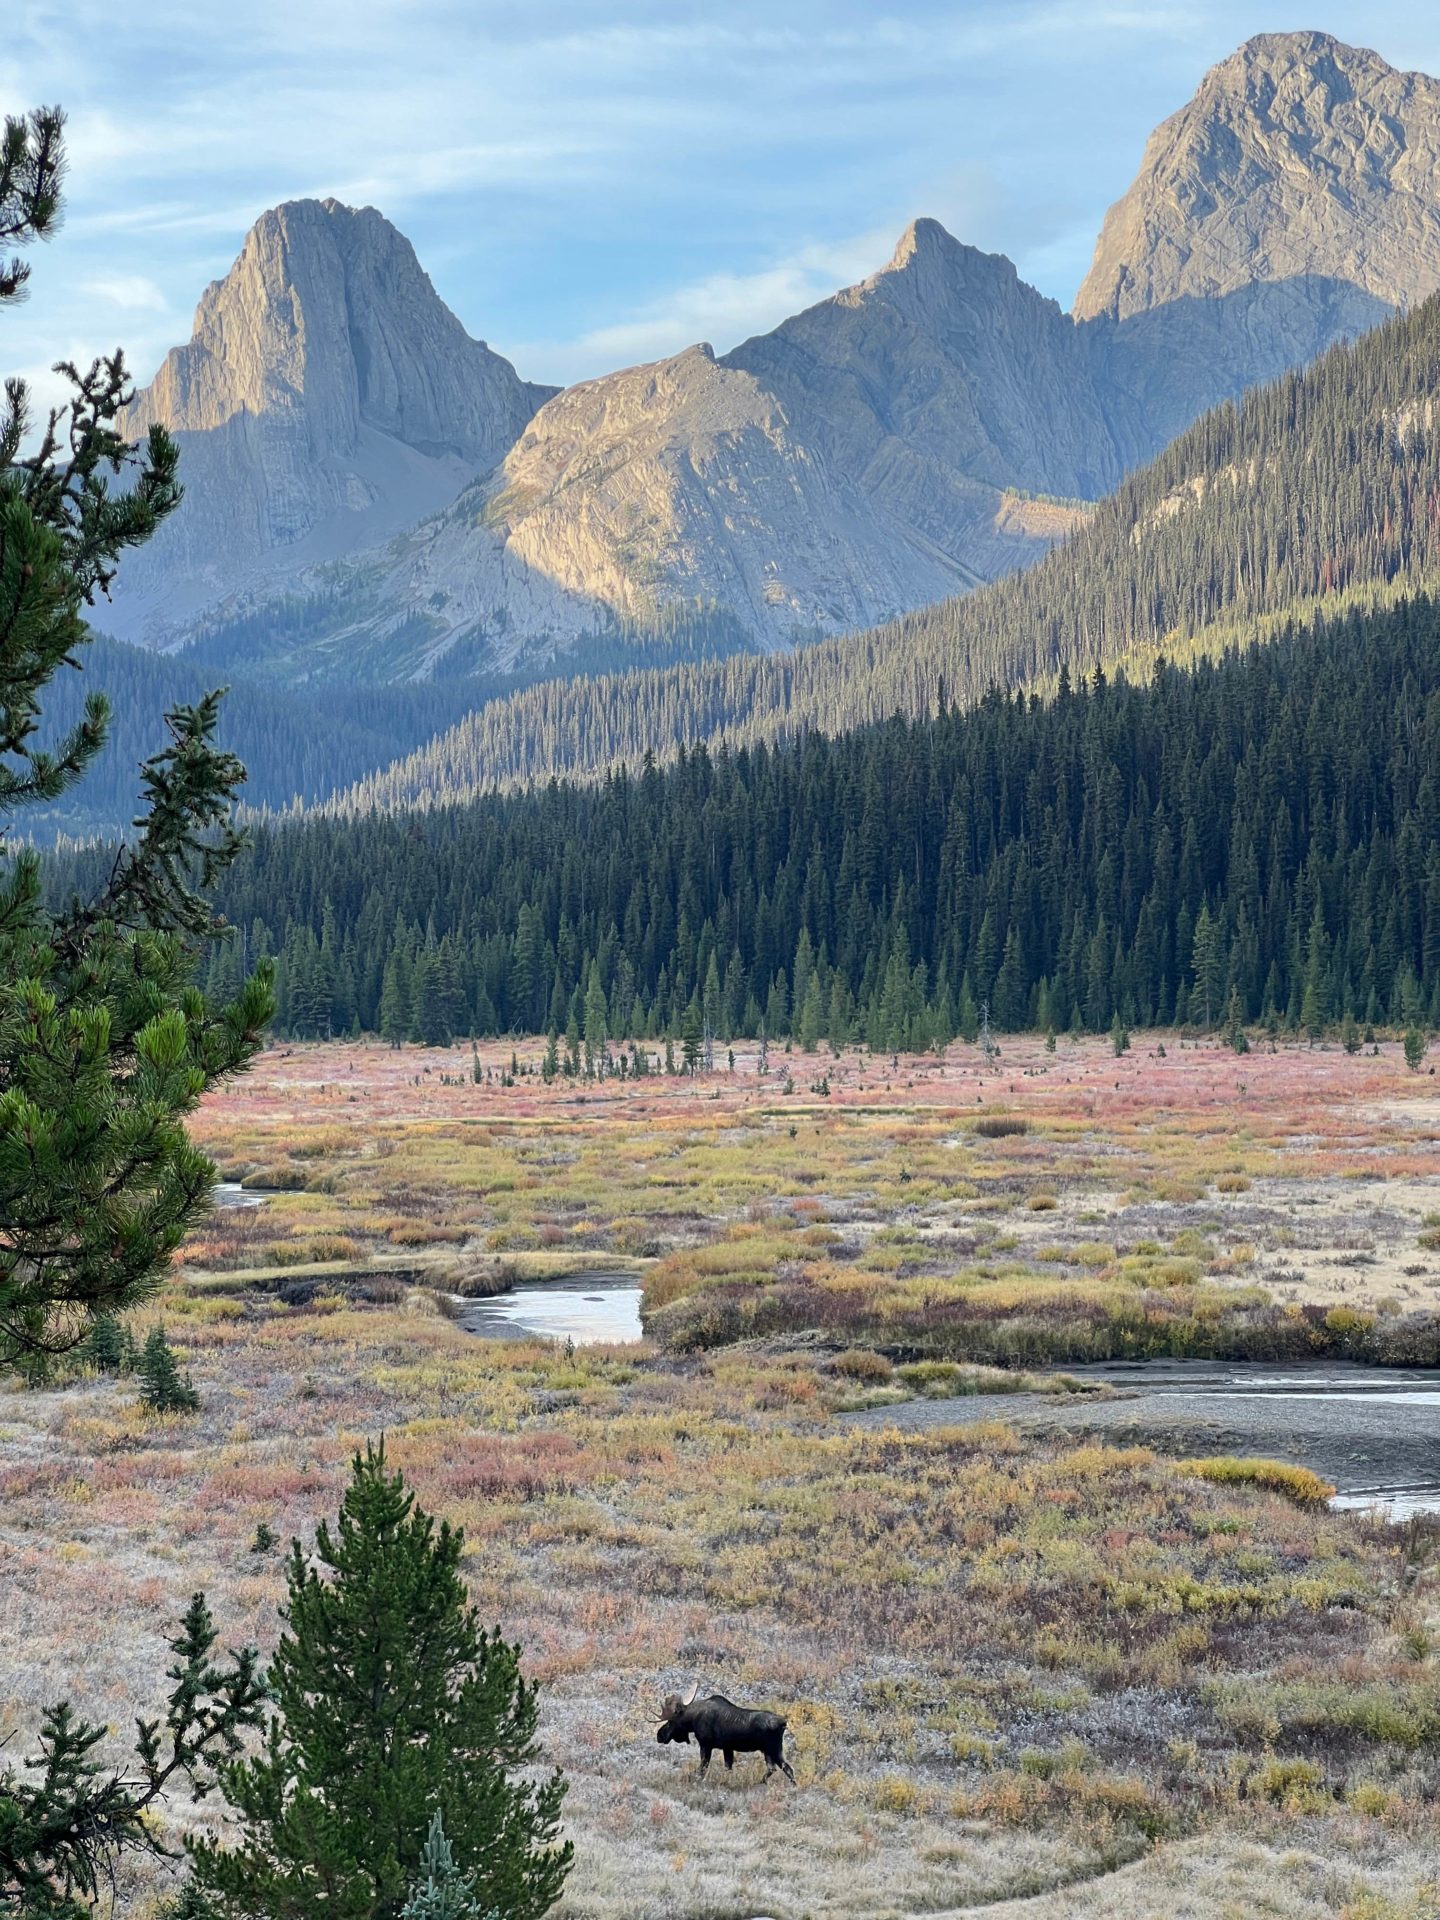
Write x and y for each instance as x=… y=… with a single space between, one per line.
x=163 y=1387
x=109 y=1345
x=442 y=1891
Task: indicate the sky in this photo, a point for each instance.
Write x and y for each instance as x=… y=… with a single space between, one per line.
x=590 y=183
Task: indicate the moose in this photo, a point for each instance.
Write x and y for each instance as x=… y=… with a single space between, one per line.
x=718 y=1722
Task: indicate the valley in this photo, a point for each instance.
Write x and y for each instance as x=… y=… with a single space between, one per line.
x=1018 y=1652
x=781 y=1036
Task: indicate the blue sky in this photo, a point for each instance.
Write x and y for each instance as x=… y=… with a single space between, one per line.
x=588 y=183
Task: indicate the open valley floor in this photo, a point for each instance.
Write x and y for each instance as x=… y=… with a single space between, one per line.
x=1042 y=1641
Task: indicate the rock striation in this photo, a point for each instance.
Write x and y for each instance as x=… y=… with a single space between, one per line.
x=1298 y=158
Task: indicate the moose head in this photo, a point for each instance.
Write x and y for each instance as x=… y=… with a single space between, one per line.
x=673 y=1715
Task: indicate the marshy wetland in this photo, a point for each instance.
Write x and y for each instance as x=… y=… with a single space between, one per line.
x=960 y=1430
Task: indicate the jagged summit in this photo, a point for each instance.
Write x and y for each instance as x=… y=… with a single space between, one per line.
x=326 y=397
x=922 y=431
x=1298 y=158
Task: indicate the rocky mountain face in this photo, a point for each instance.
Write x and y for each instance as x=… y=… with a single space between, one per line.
x=1293 y=202
x=327 y=398
x=924 y=431
x=873 y=453
x=1298 y=157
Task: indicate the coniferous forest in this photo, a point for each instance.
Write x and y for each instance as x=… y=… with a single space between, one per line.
x=1253 y=839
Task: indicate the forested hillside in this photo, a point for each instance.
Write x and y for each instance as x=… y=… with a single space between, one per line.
x=1256 y=838
x=295 y=745
x=1324 y=484
x=304 y=743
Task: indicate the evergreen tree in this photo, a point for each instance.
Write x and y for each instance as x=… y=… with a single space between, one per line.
x=108 y=1345
x=66 y=1817
x=1207 y=961
x=106 y=1043
x=812 y=1015
x=596 y=1017
x=1314 y=1002
x=392 y=1705
x=1415 y=1048
x=441 y=1891
x=397 y=1009
x=163 y=1387
x=1010 y=994
x=1235 y=1035
x=691 y=1037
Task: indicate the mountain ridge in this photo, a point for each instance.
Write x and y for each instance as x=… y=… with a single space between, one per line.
x=1324 y=483
x=877 y=452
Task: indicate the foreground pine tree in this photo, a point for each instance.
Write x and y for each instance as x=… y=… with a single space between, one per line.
x=105 y=1042
x=67 y=1816
x=392 y=1705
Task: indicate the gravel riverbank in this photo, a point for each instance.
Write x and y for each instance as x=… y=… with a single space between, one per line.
x=1361 y=1428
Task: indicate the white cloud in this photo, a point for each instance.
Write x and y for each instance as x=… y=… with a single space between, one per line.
x=723 y=308
x=132 y=292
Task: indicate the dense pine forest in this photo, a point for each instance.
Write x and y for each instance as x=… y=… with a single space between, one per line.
x=290 y=751
x=1325 y=484
x=1251 y=839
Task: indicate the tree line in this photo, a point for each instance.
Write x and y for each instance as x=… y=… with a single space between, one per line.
x=1255 y=838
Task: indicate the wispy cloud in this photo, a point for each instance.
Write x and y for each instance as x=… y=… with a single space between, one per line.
x=131 y=292
x=723 y=308
x=593 y=181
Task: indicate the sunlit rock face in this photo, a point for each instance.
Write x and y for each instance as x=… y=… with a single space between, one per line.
x=1298 y=156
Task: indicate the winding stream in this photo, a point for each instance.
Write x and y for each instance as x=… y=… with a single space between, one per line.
x=1373 y=1431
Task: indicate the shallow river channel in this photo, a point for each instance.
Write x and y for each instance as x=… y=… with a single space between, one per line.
x=1372 y=1431
x=591 y=1309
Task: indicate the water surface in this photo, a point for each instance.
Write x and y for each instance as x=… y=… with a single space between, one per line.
x=591 y=1309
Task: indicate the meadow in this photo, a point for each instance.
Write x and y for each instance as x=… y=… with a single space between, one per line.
x=1047 y=1674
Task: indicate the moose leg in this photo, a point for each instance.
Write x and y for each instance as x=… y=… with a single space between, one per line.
x=729 y=1759
x=787 y=1770
x=705 y=1753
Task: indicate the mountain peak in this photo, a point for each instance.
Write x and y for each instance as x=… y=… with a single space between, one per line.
x=327 y=312
x=326 y=394
x=1299 y=159
x=922 y=237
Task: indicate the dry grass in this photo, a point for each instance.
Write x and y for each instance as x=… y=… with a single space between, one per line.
x=1008 y=1663
x=1011 y=1664
x=1046 y=1208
